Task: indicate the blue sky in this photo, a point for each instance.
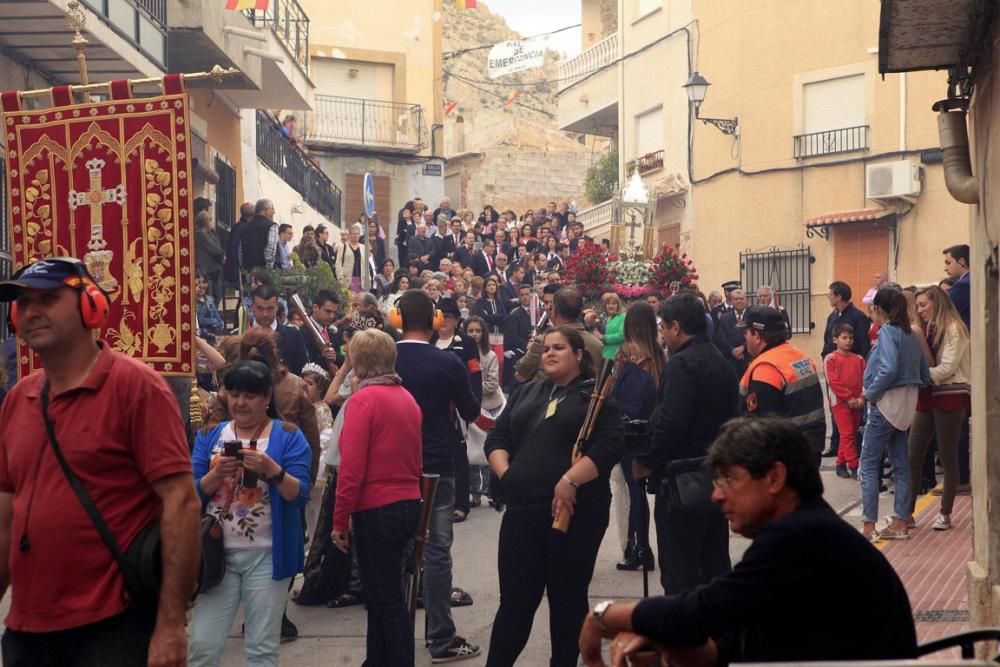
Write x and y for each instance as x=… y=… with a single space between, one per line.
x=531 y=17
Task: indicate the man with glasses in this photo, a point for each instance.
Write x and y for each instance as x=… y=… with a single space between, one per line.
x=779 y=604
x=698 y=393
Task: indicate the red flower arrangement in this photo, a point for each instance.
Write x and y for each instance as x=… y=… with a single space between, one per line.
x=672 y=266
x=588 y=269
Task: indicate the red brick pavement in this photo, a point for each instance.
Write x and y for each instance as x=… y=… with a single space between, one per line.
x=932 y=566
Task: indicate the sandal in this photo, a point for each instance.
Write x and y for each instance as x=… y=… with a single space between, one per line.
x=460 y=515
x=345 y=600
x=888 y=533
x=460 y=598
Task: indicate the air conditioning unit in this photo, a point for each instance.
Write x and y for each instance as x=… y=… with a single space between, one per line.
x=887 y=180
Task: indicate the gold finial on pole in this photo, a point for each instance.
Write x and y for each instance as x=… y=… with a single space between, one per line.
x=76 y=19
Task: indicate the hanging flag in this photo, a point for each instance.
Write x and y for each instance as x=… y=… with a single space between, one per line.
x=512 y=98
x=240 y=5
x=450 y=107
x=465 y=4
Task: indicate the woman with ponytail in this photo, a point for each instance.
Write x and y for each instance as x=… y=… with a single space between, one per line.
x=895 y=373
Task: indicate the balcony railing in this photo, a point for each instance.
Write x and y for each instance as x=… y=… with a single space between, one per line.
x=157 y=9
x=599 y=55
x=351 y=121
x=295 y=167
x=647 y=163
x=844 y=140
x=141 y=22
x=291 y=25
x=595 y=216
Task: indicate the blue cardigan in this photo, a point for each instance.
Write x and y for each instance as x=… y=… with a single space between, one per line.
x=288 y=447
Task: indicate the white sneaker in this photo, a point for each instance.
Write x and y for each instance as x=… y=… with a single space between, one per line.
x=942 y=522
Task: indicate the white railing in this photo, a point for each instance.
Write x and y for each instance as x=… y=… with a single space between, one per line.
x=595 y=217
x=599 y=55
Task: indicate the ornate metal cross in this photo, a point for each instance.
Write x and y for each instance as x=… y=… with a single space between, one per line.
x=98 y=260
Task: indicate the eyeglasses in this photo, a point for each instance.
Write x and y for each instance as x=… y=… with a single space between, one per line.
x=724 y=481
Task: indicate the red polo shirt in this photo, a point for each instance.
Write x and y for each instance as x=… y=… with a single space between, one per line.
x=119 y=431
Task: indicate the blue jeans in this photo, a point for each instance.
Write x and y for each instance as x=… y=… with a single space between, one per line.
x=248 y=580
x=880 y=435
x=437 y=568
x=380 y=538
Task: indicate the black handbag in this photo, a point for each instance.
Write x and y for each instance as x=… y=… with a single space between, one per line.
x=141 y=565
x=687 y=485
x=213 y=547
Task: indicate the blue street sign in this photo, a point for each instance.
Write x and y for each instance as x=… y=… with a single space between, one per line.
x=369 y=195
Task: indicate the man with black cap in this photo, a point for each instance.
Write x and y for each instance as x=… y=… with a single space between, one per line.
x=781 y=379
x=726 y=305
x=118 y=428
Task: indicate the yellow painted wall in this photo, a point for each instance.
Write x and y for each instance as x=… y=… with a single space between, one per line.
x=756 y=54
x=403 y=37
x=223 y=132
x=591 y=29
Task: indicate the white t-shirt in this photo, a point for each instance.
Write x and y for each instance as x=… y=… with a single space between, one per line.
x=899 y=405
x=248 y=523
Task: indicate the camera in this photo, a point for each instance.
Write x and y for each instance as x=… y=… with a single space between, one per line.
x=638 y=439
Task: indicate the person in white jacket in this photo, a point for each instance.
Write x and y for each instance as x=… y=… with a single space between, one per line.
x=944 y=404
x=353 y=265
x=493 y=402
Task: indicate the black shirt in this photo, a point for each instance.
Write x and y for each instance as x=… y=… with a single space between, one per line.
x=541 y=448
x=787 y=599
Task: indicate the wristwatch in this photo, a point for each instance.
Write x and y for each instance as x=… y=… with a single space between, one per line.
x=598 y=614
x=277 y=479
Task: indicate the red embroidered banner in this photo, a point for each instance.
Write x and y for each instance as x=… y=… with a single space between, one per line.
x=109 y=182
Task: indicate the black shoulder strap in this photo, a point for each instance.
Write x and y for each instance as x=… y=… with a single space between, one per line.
x=80 y=491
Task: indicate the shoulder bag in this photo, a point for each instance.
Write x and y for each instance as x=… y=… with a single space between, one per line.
x=141 y=564
x=687 y=484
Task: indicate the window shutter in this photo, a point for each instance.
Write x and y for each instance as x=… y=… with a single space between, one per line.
x=649 y=132
x=332 y=76
x=834 y=104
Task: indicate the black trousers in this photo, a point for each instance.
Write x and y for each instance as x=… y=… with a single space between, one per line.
x=534 y=559
x=118 y=641
x=381 y=535
x=460 y=457
x=693 y=547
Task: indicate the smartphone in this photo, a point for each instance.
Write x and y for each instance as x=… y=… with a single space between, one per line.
x=232 y=448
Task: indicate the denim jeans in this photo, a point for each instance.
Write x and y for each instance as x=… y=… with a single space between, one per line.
x=880 y=436
x=437 y=568
x=380 y=538
x=248 y=580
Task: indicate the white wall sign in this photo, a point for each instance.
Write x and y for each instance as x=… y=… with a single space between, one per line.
x=516 y=56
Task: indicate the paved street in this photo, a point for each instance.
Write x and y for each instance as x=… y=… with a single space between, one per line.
x=337 y=636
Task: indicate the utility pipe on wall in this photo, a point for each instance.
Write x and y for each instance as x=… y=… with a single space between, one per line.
x=958 y=176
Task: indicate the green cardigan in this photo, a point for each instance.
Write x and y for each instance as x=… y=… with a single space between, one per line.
x=614 y=336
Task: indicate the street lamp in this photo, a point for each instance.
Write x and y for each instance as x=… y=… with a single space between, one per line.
x=697 y=87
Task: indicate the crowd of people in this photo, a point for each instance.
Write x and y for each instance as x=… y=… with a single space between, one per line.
x=474 y=363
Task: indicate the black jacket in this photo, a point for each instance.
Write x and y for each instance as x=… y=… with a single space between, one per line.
x=292 y=348
x=858 y=320
x=479 y=264
x=464 y=256
x=698 y=393
x=728 y=336
x=541 y=448
x=766 y=609
x=253 y=240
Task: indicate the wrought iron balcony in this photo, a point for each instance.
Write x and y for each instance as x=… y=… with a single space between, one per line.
x=355 y=122
x=286 y=159
x=290 y=23
x=141 y=22
x=646 y=163
x=598 y=56
x=844 y=140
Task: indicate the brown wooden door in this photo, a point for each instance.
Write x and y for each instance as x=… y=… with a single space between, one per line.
x=859 y=252
x=354 y=200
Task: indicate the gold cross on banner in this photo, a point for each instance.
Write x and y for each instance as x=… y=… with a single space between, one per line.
x=98 y=260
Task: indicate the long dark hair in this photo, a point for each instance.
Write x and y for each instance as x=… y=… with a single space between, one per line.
x=484 y=340
x=893 y=304
x=640 y=330
x=575 y=341
x=400 y=274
